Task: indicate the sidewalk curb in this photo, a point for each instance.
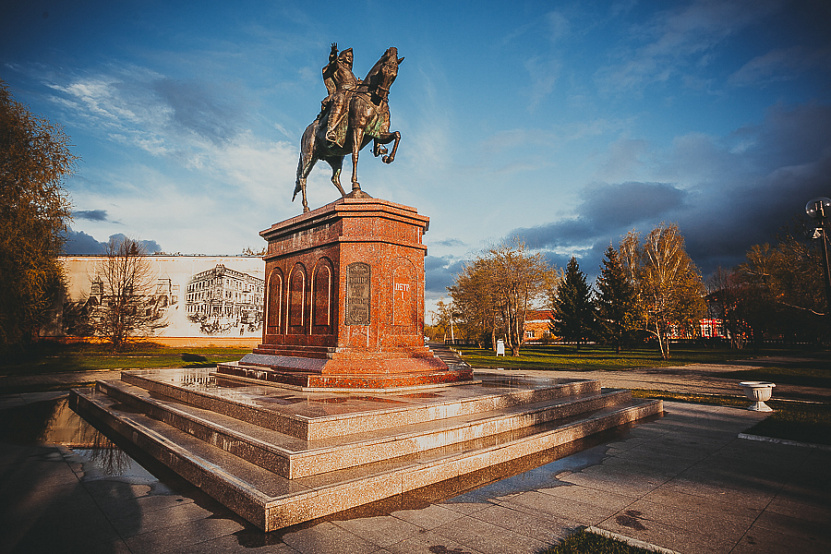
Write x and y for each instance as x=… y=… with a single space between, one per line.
x=630 y=541
x=786 y=442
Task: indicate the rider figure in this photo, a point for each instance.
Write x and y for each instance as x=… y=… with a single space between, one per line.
x=340 y=82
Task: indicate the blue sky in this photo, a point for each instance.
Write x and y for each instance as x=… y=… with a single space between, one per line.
x=565 y=123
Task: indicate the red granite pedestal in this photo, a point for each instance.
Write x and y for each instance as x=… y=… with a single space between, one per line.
x=344 y=304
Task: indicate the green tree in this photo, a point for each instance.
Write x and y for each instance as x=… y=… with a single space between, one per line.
x=573 y=316
x=34 y=211
x=616 y=301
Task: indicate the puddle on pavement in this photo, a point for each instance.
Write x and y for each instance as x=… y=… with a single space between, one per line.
x=53 y=422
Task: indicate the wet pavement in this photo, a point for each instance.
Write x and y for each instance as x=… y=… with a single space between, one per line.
x=685 y=482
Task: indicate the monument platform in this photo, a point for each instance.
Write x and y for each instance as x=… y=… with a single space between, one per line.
x=281 y=455
x=344 y=301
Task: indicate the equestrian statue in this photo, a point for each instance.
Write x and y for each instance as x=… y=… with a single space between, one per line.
x=354 y=113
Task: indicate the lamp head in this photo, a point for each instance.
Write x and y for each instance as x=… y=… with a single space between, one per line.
x=818 y=208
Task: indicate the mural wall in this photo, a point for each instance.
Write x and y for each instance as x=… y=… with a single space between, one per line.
x=200 y=296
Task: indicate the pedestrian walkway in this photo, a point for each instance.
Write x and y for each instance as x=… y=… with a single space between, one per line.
x=707 y=379
x=684 y=482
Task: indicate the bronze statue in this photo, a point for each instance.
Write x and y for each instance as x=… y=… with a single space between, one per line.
x=340 y=82
x=353 y=114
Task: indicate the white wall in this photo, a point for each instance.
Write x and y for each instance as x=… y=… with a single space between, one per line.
x=80 y=272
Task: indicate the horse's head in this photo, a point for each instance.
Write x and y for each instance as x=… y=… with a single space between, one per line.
x=383 y=73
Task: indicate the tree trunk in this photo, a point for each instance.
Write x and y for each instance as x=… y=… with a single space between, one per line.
x=660 y=339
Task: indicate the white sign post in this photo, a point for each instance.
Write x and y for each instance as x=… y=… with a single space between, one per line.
x=500 y=347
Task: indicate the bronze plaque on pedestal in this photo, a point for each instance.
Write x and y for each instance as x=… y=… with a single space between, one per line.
x=358 y=283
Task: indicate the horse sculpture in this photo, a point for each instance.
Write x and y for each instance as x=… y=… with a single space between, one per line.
x=368 y=119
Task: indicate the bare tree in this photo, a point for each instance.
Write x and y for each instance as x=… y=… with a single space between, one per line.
x=125 y=288
x=670 y=292
x=727 y=300
x=496 y=291
x=784 y=283
x=474 y=300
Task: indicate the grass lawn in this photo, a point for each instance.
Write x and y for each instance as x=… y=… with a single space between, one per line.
x=50 y=357
x=592 y=358
x=810 y=373
x=582 y=542
x=795 y=421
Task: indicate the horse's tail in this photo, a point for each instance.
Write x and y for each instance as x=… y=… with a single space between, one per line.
x=306 y=152
x=297 y=186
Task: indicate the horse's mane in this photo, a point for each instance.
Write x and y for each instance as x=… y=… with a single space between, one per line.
x=370 y=82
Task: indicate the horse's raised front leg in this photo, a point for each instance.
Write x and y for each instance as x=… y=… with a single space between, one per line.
x=386 y=138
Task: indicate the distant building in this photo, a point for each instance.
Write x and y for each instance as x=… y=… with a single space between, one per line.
x=221 y=298
x=712 y=328
x=537 y=324
x=223 y=295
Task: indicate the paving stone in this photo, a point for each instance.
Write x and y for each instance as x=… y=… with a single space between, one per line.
x=809 y=505
x=428 y=518
x=430 y=542
x=119 y=500
x=231 y=543
x=795 y=526
x=665 y=536
x=380 y=530
x=182 y=537
x=760 y=539
x=694 y=520
x=536 y=502
x=157 y=520
x=671 y=498
x=488 y=538
x=603 y=499
x=738 y=496
x=546 y=528
x=327 y=537
x=466 y=508
x=617 y=484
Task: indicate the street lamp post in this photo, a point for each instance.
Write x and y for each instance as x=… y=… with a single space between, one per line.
x=820 y=209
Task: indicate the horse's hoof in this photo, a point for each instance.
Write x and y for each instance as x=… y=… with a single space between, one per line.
x=387 y=159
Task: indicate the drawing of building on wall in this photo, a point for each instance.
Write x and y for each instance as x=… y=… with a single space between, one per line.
x=221 y=299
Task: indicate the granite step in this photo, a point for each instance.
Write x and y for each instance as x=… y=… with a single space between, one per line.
x=446 y=354
x=271 y=501
x=323 y=414
x=292 y=457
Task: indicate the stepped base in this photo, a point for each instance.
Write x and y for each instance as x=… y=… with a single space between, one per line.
x=379 y=373
x=280 y=456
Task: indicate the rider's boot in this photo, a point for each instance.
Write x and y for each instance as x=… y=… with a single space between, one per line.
x=332 y=123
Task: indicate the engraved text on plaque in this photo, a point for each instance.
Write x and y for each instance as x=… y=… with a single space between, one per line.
x=358 y=283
